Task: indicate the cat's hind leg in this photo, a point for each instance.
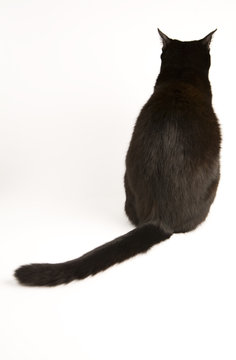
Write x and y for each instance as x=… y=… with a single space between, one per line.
x=130 y=204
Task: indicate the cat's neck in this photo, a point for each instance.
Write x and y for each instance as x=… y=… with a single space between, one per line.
x=189 y=76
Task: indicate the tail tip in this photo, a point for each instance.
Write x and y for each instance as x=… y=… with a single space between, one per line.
x=37 y=275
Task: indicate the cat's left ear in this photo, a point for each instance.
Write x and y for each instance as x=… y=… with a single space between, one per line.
x=164 y=38
x=207 y=39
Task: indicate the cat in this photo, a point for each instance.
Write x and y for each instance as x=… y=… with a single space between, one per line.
x=172 y=165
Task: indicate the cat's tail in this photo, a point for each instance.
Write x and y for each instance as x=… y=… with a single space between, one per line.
x=122 y=248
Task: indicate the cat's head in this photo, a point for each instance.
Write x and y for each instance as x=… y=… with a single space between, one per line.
x=186 y=54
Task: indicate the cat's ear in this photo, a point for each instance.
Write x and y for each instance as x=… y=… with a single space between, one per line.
x=164 y=38
x=207 y=39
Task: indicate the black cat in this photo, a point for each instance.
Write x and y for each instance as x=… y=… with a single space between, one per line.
x=172 y=165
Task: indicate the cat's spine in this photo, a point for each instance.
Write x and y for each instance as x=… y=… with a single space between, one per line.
x=122 y=248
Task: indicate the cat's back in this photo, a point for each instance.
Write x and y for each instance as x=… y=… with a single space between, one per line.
x=173 y=158
x=178 y=118
x=176 y=102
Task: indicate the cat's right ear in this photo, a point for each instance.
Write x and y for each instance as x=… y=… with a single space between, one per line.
x=164 y=38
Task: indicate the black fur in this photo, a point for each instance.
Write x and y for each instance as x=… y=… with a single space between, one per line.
x=172 y=165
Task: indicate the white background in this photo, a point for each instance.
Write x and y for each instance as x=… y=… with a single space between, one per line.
x=73 y=77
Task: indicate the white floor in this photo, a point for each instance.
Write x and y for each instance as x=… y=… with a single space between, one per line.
x=74 y=75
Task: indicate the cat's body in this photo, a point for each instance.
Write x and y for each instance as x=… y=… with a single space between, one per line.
x=172 y=165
